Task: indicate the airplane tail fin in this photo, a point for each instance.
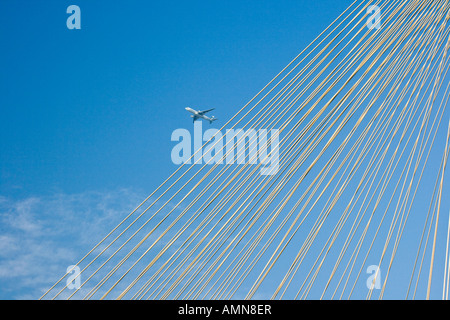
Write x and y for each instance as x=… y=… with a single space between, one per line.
x=212 y=119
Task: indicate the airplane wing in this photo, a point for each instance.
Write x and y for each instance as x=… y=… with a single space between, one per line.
x=205 y=111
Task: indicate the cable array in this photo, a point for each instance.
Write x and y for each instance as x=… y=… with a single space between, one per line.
x=358 y=114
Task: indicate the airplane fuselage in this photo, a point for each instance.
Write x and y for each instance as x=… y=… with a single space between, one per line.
x=192 y=111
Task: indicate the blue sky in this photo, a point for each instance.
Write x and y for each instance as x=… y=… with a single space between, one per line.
x=91 y=108
x=86 y=115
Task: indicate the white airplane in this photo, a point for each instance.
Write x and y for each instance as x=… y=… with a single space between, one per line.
x=201 y=114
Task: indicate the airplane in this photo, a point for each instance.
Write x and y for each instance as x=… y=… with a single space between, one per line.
x=201 y=114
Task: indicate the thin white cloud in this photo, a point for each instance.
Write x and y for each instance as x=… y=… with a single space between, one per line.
x=41 y=236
